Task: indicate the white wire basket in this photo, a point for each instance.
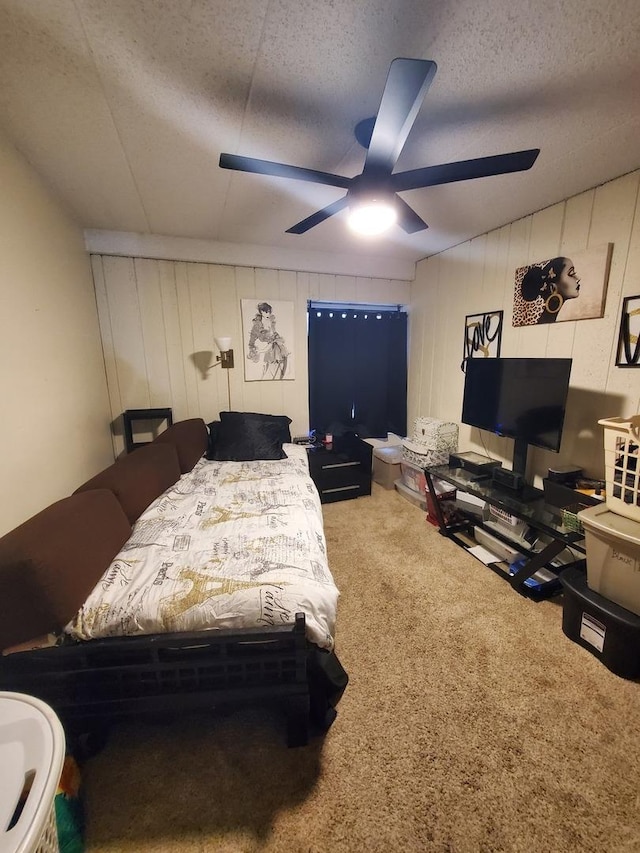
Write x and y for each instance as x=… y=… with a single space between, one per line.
x=32 y=749
x=622 y=465
x=48 y=841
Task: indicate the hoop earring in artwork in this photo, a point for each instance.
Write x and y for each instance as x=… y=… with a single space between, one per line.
x=550 y=305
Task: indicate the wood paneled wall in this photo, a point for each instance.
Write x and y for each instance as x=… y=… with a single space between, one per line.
x=158 y=320
x=478 y=276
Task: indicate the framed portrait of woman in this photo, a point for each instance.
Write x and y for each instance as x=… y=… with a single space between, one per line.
x=567 y=287
x=267 y=330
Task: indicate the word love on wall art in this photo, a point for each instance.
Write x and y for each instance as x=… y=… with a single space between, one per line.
x=629 y=338
x=482 y=336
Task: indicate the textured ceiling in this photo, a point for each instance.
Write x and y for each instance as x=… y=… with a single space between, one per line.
x=124 y=106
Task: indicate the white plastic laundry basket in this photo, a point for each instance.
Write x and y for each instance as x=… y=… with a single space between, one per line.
x=32 y=748
x=622 y=465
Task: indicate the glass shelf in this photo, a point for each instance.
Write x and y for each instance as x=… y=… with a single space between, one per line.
x=527 y=504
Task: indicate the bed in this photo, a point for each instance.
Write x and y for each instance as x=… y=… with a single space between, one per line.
x=219 y=595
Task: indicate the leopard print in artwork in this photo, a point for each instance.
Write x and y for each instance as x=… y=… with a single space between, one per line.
x=526 y=313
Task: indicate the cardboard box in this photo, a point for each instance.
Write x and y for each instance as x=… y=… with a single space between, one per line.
x=446 y=497
x=419 y=454
x=431 y=442
x=435 y=434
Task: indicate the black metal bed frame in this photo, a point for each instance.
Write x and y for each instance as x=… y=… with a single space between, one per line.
x=93 y=683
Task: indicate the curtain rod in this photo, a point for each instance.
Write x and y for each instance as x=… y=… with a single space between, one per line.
x=313 y=304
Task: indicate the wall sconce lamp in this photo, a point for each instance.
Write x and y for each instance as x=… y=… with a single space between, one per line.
x=225 y=359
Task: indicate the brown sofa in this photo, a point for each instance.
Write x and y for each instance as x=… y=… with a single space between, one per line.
x=50 y=564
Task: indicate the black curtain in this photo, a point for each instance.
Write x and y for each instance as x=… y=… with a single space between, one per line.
x=358 y=371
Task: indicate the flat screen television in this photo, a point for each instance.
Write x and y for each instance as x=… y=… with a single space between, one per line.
x=521 y=398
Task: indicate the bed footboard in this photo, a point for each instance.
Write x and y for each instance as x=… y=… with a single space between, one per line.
x=91 y=684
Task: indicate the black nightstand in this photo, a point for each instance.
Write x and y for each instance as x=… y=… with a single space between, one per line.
x=343 y=472
x=131 y=415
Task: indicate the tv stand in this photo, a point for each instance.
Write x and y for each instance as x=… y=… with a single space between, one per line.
x=528 y=508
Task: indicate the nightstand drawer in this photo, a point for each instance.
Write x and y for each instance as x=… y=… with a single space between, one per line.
x=343 y=493
x=352 y=478
x=324 y=467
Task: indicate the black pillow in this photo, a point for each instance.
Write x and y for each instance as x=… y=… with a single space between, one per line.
x=279 y=423
x=246 y=440
x=213 y=428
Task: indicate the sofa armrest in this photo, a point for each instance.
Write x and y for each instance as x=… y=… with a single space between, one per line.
x=51 y=562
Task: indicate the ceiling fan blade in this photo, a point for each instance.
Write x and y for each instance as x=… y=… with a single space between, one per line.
x=407 y=84
x=464 y=170
x=281 y=170
x=408 y=219
x=319 y=216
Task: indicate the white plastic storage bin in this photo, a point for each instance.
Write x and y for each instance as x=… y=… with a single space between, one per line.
x=622 y=465
x=413 y=477
x=32 y=748
x=386 y=465
x=415 y=498
x=613 y=556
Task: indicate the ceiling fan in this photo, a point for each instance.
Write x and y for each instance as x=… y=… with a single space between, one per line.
x=384 y=137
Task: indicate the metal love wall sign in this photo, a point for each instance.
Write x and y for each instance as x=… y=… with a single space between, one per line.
x=629 y=335
x=482 y=336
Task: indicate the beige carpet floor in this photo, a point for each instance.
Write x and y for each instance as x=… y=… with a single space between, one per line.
x=471 y=723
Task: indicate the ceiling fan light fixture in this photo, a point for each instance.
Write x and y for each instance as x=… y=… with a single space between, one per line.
x=372 y=217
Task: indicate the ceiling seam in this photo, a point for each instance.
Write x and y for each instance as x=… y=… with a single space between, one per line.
x=248 y=98
x=113 y=119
